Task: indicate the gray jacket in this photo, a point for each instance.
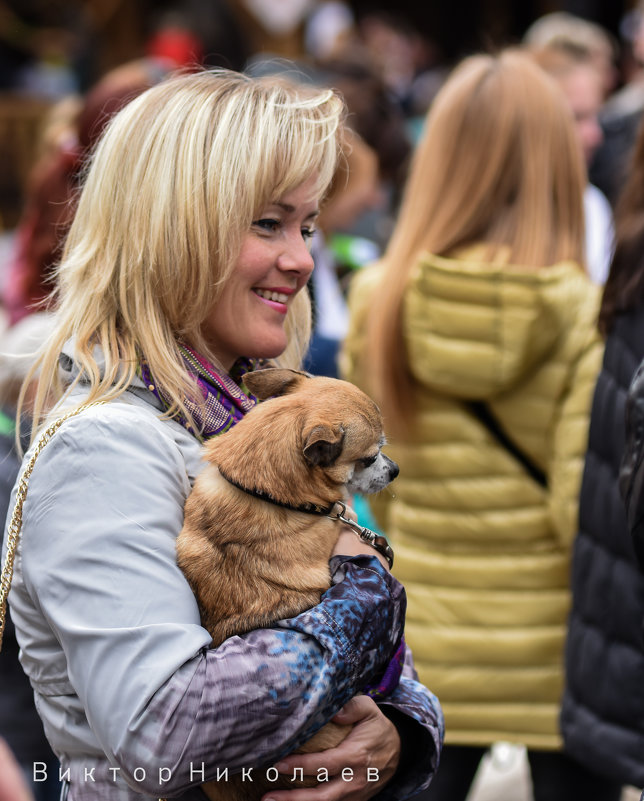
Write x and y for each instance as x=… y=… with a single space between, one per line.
x=132 y=699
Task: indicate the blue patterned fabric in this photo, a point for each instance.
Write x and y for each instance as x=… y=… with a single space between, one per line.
x=276 y=674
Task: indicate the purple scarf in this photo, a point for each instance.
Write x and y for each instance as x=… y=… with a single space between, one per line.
x=224 y=401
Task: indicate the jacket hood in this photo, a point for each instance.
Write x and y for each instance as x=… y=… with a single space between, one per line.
x=476 y=328
x=69 y=371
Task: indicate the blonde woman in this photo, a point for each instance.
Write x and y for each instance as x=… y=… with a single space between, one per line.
x=476 y=335
x=186 y=263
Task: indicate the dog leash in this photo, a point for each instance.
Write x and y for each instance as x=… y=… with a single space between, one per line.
x=376 y=541
x=15 y=525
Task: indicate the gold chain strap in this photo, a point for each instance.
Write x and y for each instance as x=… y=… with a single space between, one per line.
x=13 y=532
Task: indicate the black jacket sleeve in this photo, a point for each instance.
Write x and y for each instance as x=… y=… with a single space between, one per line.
x=631 y=477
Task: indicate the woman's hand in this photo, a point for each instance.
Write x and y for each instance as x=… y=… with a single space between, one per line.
x=350 y=544
x=372 y=744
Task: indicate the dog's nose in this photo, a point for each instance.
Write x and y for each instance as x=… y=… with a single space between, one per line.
x=392 y=467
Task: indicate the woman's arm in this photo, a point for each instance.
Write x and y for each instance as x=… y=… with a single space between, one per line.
x=409 y=723
x=105 y=505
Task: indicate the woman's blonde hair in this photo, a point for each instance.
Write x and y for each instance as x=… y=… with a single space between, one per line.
x=498 y=164
x=172 y=188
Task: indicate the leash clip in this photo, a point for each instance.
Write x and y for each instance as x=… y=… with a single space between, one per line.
x=376 y=541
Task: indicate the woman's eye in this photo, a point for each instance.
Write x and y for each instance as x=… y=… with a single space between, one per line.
x=307 y=236
x=267 y=224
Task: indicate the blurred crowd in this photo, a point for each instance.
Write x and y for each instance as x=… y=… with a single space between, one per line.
x=390 y=74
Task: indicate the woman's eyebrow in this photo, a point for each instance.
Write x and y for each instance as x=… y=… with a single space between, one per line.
x=289 y=209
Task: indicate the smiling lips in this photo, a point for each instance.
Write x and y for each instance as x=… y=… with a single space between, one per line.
x=277 y=298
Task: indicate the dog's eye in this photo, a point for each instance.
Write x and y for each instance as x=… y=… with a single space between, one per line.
x=369 y=460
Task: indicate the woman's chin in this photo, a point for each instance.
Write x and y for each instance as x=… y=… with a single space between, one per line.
x=270 y=350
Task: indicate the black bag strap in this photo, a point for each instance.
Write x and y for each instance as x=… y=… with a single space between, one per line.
x=482 y=412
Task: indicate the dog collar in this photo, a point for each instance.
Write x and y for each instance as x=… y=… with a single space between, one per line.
x=376 y=541
x=309 y=508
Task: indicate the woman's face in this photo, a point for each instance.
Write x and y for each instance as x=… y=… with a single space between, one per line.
x=273 y=265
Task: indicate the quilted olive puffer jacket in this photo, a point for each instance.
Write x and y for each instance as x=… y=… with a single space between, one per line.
x=482 y=546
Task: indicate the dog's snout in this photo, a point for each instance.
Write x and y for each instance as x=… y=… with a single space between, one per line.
x=392 y=467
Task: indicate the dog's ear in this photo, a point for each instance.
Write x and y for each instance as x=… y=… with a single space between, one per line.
x=323 y=445
x=273 y=381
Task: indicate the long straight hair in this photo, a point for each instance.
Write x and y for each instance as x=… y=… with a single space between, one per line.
x=173 y=186
x=499 y=164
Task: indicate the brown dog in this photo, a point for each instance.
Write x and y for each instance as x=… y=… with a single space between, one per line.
x=258 y=515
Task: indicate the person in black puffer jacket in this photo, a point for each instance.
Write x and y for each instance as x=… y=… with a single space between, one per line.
x=602 y=716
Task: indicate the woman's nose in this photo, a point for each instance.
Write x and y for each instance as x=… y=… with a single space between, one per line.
x=296 y=256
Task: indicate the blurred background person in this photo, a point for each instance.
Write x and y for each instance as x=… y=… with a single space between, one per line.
x=54 y=181
x=572 y=55
x=12 y=784
x=407 y=58
x=602 y=717
x=562 y=31
x=20 y=724
x=476 y=335
x=330 y=29
x=189 y=32
x=621 y=114
x=354 y=190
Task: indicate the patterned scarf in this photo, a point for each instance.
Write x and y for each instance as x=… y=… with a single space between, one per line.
x=225 y=403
